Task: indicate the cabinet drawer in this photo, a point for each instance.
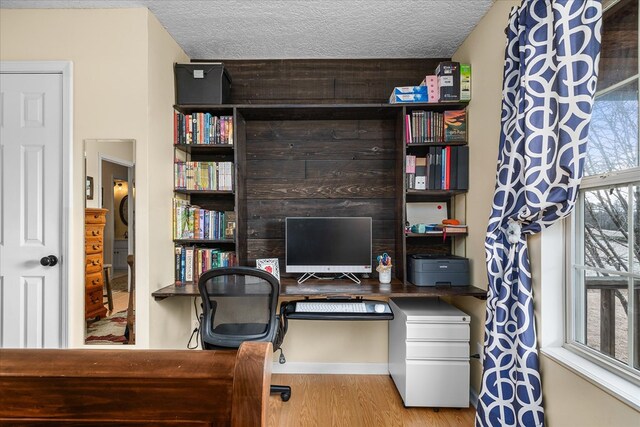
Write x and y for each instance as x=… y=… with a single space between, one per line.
x=94 y=279
x=93 y=263
x=438 y=331
x=94 y=231
x=93 y=246
x=437 y=350
x=436 y=383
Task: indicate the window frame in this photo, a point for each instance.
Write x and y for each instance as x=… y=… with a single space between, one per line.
x=575 y=303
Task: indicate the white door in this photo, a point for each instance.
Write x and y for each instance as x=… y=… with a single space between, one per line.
x=30 y=210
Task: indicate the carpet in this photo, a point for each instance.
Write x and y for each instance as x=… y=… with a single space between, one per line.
x=109 y=330
x=120 y=283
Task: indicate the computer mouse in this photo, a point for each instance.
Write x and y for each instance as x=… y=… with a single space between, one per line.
x=379 y=308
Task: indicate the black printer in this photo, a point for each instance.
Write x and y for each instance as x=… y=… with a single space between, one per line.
x=438 y=270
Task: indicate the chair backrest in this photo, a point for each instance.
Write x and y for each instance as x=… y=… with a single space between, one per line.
x=239 y=304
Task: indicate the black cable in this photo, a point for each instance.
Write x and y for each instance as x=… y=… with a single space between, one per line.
x=196 y=331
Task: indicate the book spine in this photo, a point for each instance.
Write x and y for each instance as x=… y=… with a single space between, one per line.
x=188 y=272
x=463 y=167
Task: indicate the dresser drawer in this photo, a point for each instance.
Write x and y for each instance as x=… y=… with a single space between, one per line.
x=94 y=231
x=93 y=246
x=93 y=263
x=437 y=350
x=94 y=297
x=95 y=218
x=438 y=331
x=94 y=279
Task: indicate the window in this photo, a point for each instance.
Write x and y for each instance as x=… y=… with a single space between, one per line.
x=603 y=313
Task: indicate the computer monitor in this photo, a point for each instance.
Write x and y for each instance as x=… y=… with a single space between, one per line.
x=328 y=245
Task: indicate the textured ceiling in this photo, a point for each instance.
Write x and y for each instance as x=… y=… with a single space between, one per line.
x=283 y=29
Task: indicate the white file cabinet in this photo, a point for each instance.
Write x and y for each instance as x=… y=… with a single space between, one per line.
x=429 y=352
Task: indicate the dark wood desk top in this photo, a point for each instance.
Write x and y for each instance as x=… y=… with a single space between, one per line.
x=334 y=288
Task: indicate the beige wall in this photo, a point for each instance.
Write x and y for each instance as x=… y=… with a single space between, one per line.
x=170 y=327
x=569 y=399
x=484 y=50
x=112 y=90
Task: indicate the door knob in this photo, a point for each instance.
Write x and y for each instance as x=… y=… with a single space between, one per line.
x=50 y=260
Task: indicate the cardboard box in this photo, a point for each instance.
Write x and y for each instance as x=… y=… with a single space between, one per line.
x=465 y=82
x=431 y=83
x=448 y=74
x=201 y=83
x=408 y=94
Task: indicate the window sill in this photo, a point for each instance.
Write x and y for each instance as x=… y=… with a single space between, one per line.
x=609 y=382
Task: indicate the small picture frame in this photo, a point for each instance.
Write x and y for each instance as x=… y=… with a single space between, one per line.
x=270 y=265
x=89 y=188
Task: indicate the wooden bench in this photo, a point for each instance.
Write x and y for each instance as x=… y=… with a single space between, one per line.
x=137 y=387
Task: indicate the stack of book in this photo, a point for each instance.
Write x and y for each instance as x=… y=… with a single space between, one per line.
x=193 y=222
x=452 y=229
x=216 y=176
x=191 y=262
x=202 y=129
x=423 y=127
x=443 y=168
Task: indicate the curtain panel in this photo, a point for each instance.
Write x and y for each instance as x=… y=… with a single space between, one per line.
x=550 y=77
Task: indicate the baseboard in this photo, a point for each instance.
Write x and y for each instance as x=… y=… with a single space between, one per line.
x=331 y=368
x=473 y=397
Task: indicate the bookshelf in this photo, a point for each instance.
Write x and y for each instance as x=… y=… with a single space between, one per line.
x=311 y=138
x=206 y=182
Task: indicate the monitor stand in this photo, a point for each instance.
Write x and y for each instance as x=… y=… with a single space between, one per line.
x=307 y=276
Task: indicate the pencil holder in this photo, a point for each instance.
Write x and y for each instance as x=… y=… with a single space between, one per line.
x=384 y=275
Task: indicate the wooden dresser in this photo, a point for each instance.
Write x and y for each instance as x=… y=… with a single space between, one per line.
x=94 y=221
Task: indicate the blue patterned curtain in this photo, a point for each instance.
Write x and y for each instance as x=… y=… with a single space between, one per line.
x=550 y=75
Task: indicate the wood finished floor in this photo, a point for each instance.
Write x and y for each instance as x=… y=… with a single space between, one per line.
x=353 y=401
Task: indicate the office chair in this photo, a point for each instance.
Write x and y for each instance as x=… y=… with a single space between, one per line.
x=240 y=304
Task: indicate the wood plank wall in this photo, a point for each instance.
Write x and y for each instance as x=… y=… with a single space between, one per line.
x=320 y=167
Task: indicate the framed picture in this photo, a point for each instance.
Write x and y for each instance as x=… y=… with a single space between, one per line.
x=270 y=265
x=89 y=188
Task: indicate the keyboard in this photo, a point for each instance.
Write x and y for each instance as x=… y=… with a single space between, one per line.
x=337 y=309
x=331 y=307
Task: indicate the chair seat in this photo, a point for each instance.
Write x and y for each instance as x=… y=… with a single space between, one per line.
x=241 y=328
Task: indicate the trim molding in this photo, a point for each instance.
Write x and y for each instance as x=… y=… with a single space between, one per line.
x=65 y=68
x=331 y=368
x=473 y=397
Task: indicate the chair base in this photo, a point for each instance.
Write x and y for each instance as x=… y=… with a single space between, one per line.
x=284 y=390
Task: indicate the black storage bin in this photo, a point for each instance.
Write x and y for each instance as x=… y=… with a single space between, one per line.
x=201 y=83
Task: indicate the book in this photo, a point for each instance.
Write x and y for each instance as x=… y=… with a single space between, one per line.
x=421 y=173
x=188 y=263
x=410 y=168
x=229 y=225
x=462 y=165
x=455 y=126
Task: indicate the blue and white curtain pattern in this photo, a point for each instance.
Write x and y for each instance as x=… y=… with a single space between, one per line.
x=550 y=75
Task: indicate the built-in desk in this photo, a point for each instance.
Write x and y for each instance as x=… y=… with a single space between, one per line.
x=333 y=288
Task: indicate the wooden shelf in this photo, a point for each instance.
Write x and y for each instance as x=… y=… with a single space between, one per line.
x=434 y=234
x=210 y=149
x=434 y=144
x=289 y=288
x=207 y=192
x=319 y=111
x=209 y=241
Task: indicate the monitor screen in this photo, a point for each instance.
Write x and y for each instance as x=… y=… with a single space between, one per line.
x=331 y=244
